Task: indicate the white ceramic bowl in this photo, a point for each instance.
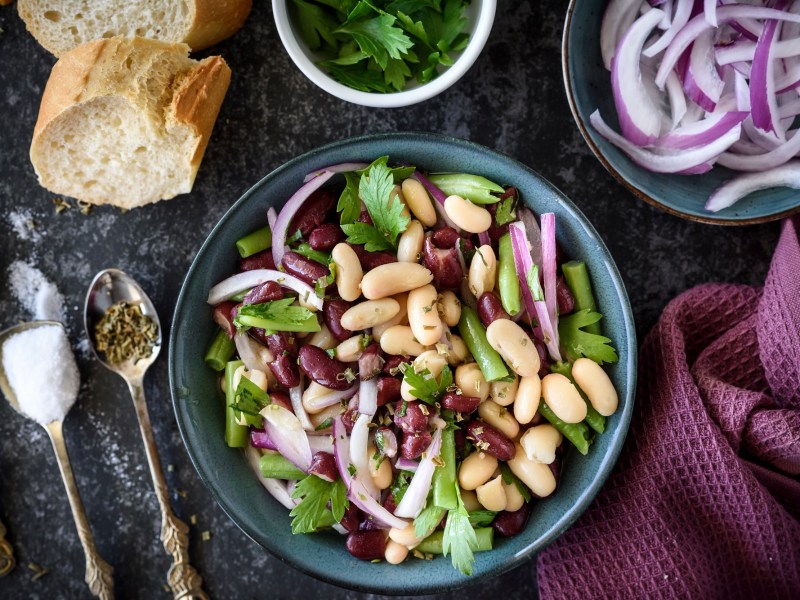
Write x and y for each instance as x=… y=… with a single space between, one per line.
x=480 y=14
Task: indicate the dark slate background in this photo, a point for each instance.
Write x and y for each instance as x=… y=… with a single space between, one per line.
x=512 y=100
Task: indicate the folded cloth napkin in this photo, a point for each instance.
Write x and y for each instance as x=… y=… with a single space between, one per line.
x=705 y=499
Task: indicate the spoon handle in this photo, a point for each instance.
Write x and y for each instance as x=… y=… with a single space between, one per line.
x=99 y=574
x=184 y=581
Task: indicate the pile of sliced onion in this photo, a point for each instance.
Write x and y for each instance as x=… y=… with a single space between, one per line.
x=247 y=280
x=694 y=88
x=285 y=430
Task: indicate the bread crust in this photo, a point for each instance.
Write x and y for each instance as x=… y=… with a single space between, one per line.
x=191 y=96
x=216 y=20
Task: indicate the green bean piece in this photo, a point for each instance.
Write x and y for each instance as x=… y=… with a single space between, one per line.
x=444 y=477
x=507 y=279
x=474 y=188
x=219 y=351
x=254 y=242
x=577 y=433
x=277 y=466
x=306 y=250
x=474 y=335
x=577 y=278
x=236 y=436
x=433 y=543
x=240 y=296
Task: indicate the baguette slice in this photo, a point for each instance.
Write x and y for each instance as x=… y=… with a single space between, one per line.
x=125 y=121
x=61 y=25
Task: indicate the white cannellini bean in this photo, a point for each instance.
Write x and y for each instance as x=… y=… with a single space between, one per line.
x=459 y=353
x=449 y=308
x=476 y=470
x=491 y=494
x=482 y=271
x=563 y=398
x=395 y=553
x=468 y=216
x=470 y=500
x=597 y=386
x=394 y=278
x=504 y=392
x=323 y=338
x=527 y=401
x=537 y=476
x=409 y=245
x=419 y=202
x=431 y=360
x=540 y=443
x=470 y=380
x=401 y=318
x=423 y=316
x=407 y=536
x=514 y=499
x=369 y=313
x=348 y=272
x=399 y=339
x=330 y=412
x=349 y=350
x=514 y=345
x=499 y=417
x=380 y=470
x=312 y=396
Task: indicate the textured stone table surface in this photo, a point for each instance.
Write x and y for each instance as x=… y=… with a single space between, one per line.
x=512 y=100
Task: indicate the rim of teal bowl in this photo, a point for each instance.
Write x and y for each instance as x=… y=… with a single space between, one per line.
x=417 y=580
x=573 y=105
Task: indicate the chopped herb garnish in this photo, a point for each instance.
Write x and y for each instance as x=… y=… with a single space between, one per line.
x=400 y=485
x=278 y=315
x=248 y=400
x=578 y=342
x=428 y=519
x=459 y=537
x=424 y=386
x=315 y=494
x=324 y=425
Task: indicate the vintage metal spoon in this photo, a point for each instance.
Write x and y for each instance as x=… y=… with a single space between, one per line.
x=98 y=572
x=111 y=286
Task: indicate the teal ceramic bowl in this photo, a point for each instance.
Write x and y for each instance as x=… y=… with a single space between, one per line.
x=199 y=404
x=588 y=86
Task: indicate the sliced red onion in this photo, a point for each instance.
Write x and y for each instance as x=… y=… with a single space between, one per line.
x=667 y=163
x=275 y=487
x=286 y=431
x=677 y=101
x=368 y=397
x=703 y=132
x=345 y=167
x=253 y=355
x=296 y=398
x=744 y=51
x=417 y=493
x=762 y=81
x=639 y=117
x=386 y=441
x=322 y=401
x=294 y=204
x=533 y=234
x=272 y=217
x=762 y=162
x=787 y=175
x=789 y=80
x=439 y=196
x=247 y=280
x=259 y=438
x=341 y=450
x=359 y=454
x=683 y=10
x=484 y=239
x=619 y=16
x=549 y=271
x=320 y=443
x=703 y=82
x=406 y=464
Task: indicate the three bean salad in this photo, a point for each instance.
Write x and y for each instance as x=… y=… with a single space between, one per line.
x=402 y=357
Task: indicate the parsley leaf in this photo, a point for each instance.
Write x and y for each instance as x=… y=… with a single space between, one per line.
x=506 y=208
x=459 y=537
x=371 y=238
x=376 y=36
x=398 y=173
x=278 y=315
x=400 y=485
x=349 y=203
x=424 y=385
x=248 y=400
x=427 y=520
x=481 y=518
x=579 y=343
x=312 y=511
x=316 y=25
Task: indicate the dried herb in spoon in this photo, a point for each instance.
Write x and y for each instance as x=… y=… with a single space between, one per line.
x=125 y=333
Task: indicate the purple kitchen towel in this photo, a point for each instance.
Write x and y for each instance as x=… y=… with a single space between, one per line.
x=705 y=499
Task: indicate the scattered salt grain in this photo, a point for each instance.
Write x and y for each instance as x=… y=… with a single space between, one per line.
x=41 y=371
x=24 y=225
x=35 y=292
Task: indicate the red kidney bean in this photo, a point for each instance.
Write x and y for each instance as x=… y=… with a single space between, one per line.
x=393 y=362
x=323 y=369
x=259 y=260
x=460 y=403
x=388 y=389
x=223 y=316
x=314 y=212
x=389 y=503
x=367 y=545
x=258 y=335
x=266 y=292
x=333 y=310
x=555 y=466
x=351 y=518
x=490 y=309
x=445 y=238
x=413 y=419
x=323 y=465
x=303 y=268
x=444 y=264
x=461 y=440
x=490 y=440
x=370 y=362
x=544 y=359
x=282 y=342
x=364 y=217
x=368 y=523
x=281 y=399
x=566 y=303
x=325 y=237
x=509 y=524
x=285 y=371
x=414 y=444
x=350 y=415
x=370 y=260
x=260 y=439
